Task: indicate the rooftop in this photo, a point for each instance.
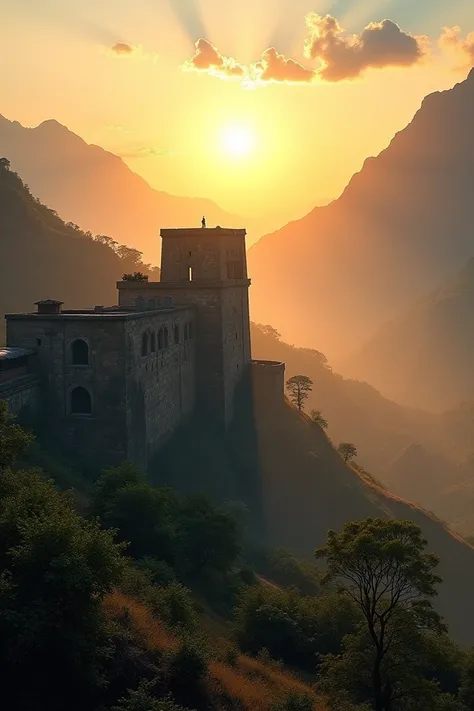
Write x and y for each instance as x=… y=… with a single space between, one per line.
x=100 y=312
x=14 y=353
x=202 y=231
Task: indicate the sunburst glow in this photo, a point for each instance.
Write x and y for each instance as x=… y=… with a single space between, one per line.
x=237 y=141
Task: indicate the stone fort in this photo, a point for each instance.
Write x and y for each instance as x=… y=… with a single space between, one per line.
x=115 y=382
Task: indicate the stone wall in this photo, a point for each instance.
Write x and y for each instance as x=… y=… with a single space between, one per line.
x=137 y=401
x=201 y=254
x=268 y=381
x=99 y=437
x=22 y=395
x=222 y=335
x=235 y=341
x=160 y=383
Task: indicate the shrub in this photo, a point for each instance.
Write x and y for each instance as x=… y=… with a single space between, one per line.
x=160 y=572
x=296 y=701
x=174 y=604
x=143 y=699
x=187 y=665
x=293 y=628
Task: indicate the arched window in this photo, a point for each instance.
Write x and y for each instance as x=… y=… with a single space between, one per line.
x=185 y=331
x=153 y=343
x=79 y=352
x=176 y=333
x=145 y=344
x=165 y=337
x=81 y=403
x=160 y=340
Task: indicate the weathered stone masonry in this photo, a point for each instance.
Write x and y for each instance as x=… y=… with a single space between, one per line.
x=114 y=383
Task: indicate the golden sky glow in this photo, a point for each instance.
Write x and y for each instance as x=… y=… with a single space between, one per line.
x=113 y=73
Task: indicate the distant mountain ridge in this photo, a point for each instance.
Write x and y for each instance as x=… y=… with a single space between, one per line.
x=96 y=189
x=403 y=224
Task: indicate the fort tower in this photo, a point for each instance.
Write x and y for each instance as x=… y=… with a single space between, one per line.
x=207 y=268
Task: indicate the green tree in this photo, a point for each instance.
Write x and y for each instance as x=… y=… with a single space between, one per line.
x=467 y=684
x=144 y=699
x=292 y=627
x=55 y=570
x=269 y=331
x=347 y=450
x=383 y=567
x=111 y=480
x=145 y=518
x=129 y=255
x=208 y=537
x=136 y=276
x=299 y=387
x=13 y=438
x=318 y=419
x=108 y=241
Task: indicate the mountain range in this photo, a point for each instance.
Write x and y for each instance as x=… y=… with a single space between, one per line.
x=400 y=228
x=95 y=189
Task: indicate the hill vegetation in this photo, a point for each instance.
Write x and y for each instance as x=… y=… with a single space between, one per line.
x=43 y=257
x=144 y=600
x=401 y=227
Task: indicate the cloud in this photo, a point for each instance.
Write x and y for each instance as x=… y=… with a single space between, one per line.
x=275 y=67
x=208 y=59
x=451 y=40
x=340 y=56
x=122 y=48
x=381 y=44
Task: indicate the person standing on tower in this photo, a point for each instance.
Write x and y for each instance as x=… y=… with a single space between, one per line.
x=203 y=222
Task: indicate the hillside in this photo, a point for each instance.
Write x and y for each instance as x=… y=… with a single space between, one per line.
x=402 y=225
x=42 y=257
x=95 y=188
x=423 y=457
x=424 y=357
x=307 y=489
x=355 y=411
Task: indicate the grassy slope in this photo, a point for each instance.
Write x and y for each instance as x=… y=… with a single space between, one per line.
x=307 y=489
x=247 y=685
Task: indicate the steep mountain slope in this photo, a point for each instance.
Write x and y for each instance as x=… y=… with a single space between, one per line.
x=401 y=226
x=307 y=489
x=423 y=457
x=95 y=189
x=424 y=357
x=355 y=411
x=41 y=257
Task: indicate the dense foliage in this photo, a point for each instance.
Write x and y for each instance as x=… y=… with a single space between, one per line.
x=105 y=612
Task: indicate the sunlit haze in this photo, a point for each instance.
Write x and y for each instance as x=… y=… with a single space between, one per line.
x=243 y=142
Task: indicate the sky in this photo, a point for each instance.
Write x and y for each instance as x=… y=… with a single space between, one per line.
x=265 y=106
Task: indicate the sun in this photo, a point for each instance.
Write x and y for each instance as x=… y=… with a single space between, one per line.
x=237 y=141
